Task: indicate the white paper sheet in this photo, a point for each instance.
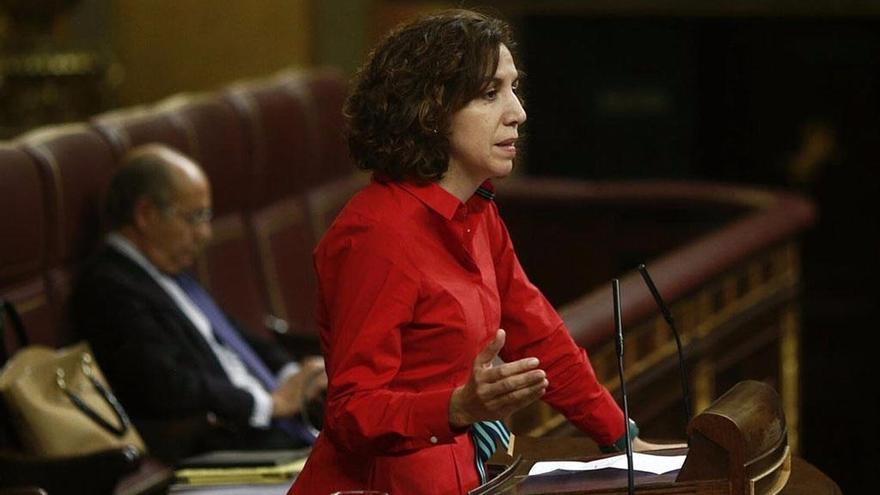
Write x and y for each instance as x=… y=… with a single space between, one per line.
x=657 y=464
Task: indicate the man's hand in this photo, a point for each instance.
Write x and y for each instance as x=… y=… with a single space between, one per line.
x=493 y=392
x=308 y=383
x=315 y=377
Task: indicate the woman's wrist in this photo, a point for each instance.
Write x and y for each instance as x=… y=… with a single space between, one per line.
x=620 y=444
x=458 y=417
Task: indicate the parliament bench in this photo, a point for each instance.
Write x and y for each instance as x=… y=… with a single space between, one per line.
x=274 y=151
x=725 y=257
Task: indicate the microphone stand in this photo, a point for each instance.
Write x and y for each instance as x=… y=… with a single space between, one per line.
x=667 y=315
x=630 y=473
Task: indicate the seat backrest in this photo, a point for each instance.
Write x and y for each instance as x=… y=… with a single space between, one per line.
x=24 y=222
x=284 y=141
x=275 y=153
x=284 y=240
x=77 y=164
x=130 y=127
x=22 y=216
x=228 y=267
x=282 y=134
x=216 y=141
x=327 y=91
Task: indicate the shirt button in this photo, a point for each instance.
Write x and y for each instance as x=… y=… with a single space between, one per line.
x=433 y=439
x=468 y=231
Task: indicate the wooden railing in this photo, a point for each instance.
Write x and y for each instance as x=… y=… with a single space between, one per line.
x=726 y=259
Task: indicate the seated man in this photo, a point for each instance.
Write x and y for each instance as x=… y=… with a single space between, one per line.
x=171 y=355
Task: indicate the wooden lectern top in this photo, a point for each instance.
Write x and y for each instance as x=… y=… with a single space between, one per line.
x=738 y=446
x=741 y=437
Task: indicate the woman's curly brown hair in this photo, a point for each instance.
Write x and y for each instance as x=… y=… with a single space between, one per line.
x=404 y=96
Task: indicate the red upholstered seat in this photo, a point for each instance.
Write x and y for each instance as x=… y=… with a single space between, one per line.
x=280 y=125
x=22 y=216
x=228 y=267
x=216 y=140
x=77 y=164
x=284 y=242
x=286 y=234
x=24 y=220
x=328 y=90
x=127 y=128
x=283 y=139
x=297 y=146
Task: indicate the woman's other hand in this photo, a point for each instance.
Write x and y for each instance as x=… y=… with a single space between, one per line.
x=640 y=445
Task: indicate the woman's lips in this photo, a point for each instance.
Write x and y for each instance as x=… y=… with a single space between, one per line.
x=507 y=146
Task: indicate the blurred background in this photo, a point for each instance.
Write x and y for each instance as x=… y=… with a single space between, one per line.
x=774 y=93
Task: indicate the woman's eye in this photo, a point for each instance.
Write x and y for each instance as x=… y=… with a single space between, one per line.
x=490 y=94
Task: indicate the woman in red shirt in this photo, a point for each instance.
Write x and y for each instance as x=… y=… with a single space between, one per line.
x=418 y=274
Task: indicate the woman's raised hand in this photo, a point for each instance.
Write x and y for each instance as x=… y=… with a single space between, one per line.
x=493 y=392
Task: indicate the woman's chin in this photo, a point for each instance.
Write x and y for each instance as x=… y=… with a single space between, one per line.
x=503 y=170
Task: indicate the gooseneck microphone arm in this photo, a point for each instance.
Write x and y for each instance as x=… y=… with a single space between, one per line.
x=618 y=324
x=667 y=315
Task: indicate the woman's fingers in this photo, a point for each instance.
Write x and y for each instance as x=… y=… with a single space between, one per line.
x=506 y=370
x=515 y=400
x=490 y=352
x=528 y=378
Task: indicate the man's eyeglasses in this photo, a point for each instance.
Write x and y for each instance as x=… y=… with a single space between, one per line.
x=195 y=217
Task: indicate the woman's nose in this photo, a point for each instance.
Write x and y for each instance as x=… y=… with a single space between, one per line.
x=516 y=114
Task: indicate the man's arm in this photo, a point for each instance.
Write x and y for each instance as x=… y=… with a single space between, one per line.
x=156 y=365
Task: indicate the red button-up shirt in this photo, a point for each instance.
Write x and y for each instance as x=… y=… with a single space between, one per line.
x=413 y=283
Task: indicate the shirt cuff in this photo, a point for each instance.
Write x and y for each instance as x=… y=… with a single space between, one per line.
x=620 y=444
x=287 y=371
x=432 y=408
x=261 y=415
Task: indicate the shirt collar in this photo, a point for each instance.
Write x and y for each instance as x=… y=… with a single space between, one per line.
x=443 y=202
x=129 y=250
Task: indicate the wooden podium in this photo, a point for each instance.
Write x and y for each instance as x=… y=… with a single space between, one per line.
x=738 y=446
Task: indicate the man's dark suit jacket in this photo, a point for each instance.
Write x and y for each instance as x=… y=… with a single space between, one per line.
x=159 y=365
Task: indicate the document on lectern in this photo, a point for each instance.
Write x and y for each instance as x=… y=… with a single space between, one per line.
x=657 y=464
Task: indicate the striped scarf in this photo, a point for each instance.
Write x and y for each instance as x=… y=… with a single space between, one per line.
x=485 y=435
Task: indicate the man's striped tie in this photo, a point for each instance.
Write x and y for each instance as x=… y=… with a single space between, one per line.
x=485 y=435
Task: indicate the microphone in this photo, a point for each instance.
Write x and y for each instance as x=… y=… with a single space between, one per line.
x=667 y=315
x=618 y=324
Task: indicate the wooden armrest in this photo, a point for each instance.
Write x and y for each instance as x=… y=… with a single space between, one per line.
x=86 y=474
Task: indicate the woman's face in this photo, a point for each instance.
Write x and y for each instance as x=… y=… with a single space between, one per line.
x=483 y=134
